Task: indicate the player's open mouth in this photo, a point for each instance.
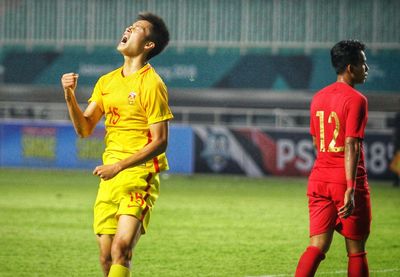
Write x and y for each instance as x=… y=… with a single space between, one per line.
x=124 y=39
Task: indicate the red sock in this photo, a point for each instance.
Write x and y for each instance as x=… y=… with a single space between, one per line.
x=309 y=262
x=358 y=265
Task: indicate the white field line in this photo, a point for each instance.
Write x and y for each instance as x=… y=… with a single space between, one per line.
x=331 y=272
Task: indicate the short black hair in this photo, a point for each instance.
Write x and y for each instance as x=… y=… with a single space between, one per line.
x=346 y=52
x=159 y=32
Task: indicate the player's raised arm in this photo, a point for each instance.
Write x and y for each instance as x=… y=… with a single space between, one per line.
x=84 y=122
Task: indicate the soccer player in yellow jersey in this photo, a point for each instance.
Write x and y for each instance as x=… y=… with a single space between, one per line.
x=134 y=101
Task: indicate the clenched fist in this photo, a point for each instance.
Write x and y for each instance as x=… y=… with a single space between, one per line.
x=69 y=81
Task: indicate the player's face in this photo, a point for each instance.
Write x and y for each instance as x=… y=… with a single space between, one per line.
x=360 y=71
x=135 y=38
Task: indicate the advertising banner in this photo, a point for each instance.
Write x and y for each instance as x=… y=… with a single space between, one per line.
x=54 y=145
x=247 y=151
x=256 y=152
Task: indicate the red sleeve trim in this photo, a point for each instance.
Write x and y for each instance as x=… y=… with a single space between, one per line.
x=155 y=159
x=146 y=69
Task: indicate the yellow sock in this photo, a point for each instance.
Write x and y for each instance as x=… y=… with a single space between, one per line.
x=118 y=270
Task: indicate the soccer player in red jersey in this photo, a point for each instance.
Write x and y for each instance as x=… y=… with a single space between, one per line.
x=338 y=193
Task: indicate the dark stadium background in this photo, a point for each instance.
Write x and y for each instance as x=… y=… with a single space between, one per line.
x=233 y=68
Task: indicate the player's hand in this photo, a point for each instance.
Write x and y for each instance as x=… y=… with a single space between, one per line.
x=347 y=209
x=107 y=172
x=69 y=81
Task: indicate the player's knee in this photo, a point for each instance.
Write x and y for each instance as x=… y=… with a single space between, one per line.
x=121 y=251
x=105 y=260
x=354 y=247
x=355 y=250
x=322 y=245
x=325 y=248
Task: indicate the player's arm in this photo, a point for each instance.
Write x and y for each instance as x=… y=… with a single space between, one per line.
x=157 y=146
x=351 y=157
x=84 y=122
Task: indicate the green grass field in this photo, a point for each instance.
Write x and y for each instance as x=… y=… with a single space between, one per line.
x=201 y=226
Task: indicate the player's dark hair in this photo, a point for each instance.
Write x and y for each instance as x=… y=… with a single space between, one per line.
x=159 y=32
x=346 y=52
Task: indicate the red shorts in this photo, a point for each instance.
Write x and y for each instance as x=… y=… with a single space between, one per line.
x=324 y=201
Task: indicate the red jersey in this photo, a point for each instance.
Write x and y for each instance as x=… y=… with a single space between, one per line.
x=337 y=111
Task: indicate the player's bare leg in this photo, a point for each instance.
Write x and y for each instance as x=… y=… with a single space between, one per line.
x=314 y=254
x=127 y=236
x=322 y=241
x=105 y=242
x=357 y=263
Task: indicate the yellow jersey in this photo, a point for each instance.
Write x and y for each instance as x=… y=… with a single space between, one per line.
x=130 y=105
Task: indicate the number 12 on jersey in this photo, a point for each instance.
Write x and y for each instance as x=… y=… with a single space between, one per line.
x=332 y=119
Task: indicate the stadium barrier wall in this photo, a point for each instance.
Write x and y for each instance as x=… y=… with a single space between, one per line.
x=280 y=152
x=199 y=69
x=199 y=149
x=55 y=145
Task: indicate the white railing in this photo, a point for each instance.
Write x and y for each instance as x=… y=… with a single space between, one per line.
x=233 y=117
x=242 y=24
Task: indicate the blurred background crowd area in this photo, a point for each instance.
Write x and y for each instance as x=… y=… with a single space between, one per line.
x=229 y=64
x=241 y=54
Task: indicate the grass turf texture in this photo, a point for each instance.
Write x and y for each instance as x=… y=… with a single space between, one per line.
x=201 y=226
